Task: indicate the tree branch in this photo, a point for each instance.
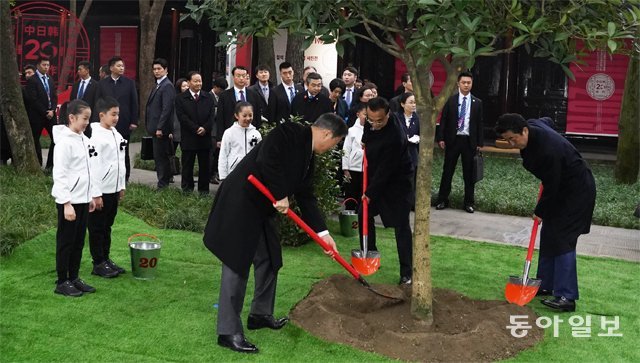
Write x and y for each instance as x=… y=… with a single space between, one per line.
x=392 y=49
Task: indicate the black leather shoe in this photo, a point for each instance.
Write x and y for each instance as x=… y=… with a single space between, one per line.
x=265 y=321
x=115 y=267
x=560 y=303
x=404 y=280
x=83 y=286
x=237 y=342
x=469 y=208
x=104 y=270
x=67 y=289
x=441 y=206
x=543 y=292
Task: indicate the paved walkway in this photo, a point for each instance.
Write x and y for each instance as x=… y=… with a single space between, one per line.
x=495 y=228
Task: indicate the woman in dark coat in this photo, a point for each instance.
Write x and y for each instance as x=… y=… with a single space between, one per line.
x=410 y=122
x=565 y=207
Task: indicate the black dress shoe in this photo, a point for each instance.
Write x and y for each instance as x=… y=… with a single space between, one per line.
x=67 y=289
x=404 y=280
x=469 y=208
x=560 y=303
x=441 y=206
x=83 y=286
x=115 y=267
x=237 y=343
x=104 y=270
x=543 y=292
x=265 y=321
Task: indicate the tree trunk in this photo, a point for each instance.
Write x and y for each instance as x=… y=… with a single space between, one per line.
x=14 y=114
x=627 y=163
x=150 y=16
x=68 y=65
x=295 y=55
x=267 y=56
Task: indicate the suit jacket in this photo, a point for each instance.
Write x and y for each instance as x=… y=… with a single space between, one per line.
x=160 y=105
x=257 y=88
x=411 y=130
x=38 y=100
x=284 y=162
x=226 y=107
x=193 y=115
x=341 y=109
x=89 y=96
x=449 y=122
x=124 y=91
x=310 y=109
x=280 y=108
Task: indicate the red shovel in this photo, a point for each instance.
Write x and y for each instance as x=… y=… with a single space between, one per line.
x=522 y=290
x=317 y=239
x=366 y=262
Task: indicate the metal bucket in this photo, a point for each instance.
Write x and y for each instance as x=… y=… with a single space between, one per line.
x=144 y=256
x=348 y=220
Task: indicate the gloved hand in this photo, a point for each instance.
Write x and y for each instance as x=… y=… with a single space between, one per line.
x=415 y=139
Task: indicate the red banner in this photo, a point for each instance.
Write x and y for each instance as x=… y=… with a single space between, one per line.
x=120 y=41
x=595 y=97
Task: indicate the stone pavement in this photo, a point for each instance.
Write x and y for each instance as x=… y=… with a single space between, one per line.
x=488 y=227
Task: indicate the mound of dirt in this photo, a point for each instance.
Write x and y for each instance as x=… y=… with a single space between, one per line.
x=341 y=310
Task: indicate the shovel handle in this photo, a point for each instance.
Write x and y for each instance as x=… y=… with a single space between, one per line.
x=365 y=202
x=263 y=189
x=534 y=231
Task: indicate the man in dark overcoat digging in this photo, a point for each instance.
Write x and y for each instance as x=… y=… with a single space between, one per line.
x=242 y=229
x=565 y=207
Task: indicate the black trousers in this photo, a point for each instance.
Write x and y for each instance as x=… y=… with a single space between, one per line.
x=213 y=164
x=70 y=242
x=404 y=241
x=233 y=287
x=127 y=160
x=162 y=149
x=188 y=161
x=36 y=131
x=353 y=189
x=100 y=223
x=461 y=146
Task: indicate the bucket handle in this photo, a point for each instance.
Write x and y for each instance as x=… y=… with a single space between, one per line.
x=344 y=203
x=143 y=235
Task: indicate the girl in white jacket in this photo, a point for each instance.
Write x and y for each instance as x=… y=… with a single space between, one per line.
x=108 y=173
x=73 y=191
x=352 y=158
x=237 y=140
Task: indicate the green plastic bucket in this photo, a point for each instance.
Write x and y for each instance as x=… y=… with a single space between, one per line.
x=144 y=256
x=348 y=220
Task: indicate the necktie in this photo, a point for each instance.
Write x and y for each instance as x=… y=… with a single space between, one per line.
x=81 y=90
x=291 y=94
x=46 y=88
x=348 y=97
x=265 y=92
x=242 y=96
x=196 y=97
x=462 y=113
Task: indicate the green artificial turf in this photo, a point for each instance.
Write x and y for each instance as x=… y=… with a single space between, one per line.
x=172 y=318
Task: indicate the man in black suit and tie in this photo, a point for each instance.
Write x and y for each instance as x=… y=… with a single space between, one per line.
x=280 y=107
x=42 y=100
x=242 y=227
x=159 y=120
x=228 y=99
x=460 y=133
x=263 y=89
x=312 y=103
x=123 y=89
x=196 y=113
x=85 y=88
x=219 y=85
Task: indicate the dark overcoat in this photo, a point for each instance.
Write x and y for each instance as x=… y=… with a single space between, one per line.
x=389 y=172
x=38 y=101
x=226 y=108
x=160 y=106
x=124 y=91
x=193 y=115
x=284 y=162
x=310 y=108
x=411 y=130
x=569 y=195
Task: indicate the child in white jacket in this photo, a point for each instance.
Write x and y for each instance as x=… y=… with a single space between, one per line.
x=108 y=172
x=237 y=140
x=73 y=191
x=352 y=153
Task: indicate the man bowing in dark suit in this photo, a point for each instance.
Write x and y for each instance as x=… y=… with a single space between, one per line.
x=460 y=133
x=85 y=88
x=242 y=228
x=196 y=113
x=42 y=100
x=159 y=120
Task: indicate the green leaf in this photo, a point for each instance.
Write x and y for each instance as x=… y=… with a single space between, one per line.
x=568 y=72
x=427 y=2
x=471 y=45
x=612 y=45
x=537 y=23
x=465 y=20
x=519 y=40
x=287 y=23
x=532 y=13
x=457 y=50
x=611 y=28
x=561 y=36
x=519 y=26
x=339 y=48
x=410 y=15
x=563 y=19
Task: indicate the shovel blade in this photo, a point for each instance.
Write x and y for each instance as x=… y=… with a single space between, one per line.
x=365 y=265
x=520 y=293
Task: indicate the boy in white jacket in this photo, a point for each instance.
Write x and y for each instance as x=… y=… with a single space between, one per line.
x=352 y=158
x=73 y=191
x=108 y=173
x=237 y=140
